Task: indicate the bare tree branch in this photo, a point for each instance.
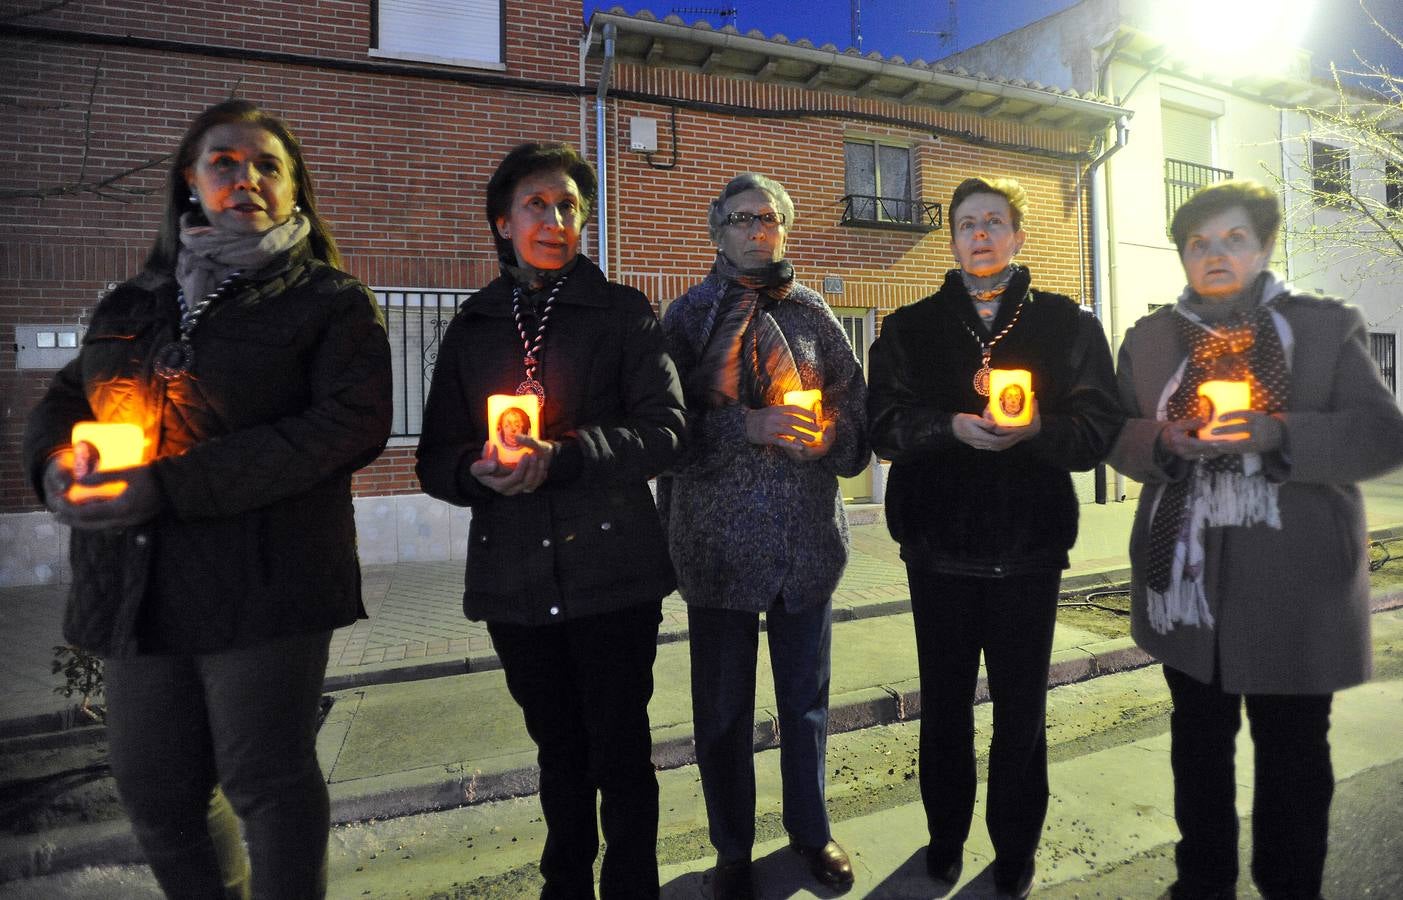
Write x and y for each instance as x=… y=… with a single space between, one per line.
x=88 y=119
x=107 y=189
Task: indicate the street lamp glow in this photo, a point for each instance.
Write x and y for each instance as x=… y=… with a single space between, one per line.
x=1235 y=37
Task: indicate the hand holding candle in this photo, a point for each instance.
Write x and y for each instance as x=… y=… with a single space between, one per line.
x=102 y=447
x=1219 y=401
x=509 y=416
x=1011 y=397
x=811 y=401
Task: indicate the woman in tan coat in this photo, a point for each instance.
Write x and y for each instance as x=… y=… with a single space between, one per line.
x=1250 y=576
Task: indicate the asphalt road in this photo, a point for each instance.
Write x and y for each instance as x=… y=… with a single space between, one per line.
x=1109 y=831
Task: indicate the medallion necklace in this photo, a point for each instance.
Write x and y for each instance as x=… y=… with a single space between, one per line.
x=986 y=349
x=174 y=358
x=531 y=344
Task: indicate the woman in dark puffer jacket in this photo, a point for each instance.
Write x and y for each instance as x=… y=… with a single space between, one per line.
x=259 y=375
x=986 y=513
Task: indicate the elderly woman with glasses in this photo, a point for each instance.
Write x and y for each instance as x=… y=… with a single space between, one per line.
x=1249 y=560
x=755 y=519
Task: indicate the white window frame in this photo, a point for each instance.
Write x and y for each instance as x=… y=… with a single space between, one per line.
x=877 y=143
x=396 y=27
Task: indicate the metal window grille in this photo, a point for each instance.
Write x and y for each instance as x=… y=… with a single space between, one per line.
x=1384 y=348
x=1329 y=168
x=415 y=320
x=856 y=328
x=1182 y=178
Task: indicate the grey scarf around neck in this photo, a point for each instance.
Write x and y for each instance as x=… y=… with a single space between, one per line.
x=208 y=254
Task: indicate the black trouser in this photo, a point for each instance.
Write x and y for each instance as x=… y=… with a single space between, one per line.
x=583 y=687
x=1011 y=620
x=243 y=719
x=1292 y=788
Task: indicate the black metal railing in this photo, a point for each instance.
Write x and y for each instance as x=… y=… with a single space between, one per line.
x=415 y=321
x=865 y=210
x=1384 y=348
x=1181 y=179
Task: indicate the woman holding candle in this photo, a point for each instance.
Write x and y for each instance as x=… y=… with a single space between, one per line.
x=755 y=519
x=985 y=513
x=566 y=559
x=1249 y=553
x=259 y=375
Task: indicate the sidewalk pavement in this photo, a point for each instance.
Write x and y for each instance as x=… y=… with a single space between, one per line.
x=416 y=627
x=421 y=719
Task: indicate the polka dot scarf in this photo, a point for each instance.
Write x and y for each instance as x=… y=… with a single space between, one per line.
x=1228 y=490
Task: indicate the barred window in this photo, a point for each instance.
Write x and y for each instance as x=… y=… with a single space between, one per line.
x=1329 y=168
x=1384 y=348
x=415 y=320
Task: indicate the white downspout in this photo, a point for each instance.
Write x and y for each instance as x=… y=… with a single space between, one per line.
x=601 y=152
x=1099 y=287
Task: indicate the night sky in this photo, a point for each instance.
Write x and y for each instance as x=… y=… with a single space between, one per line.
x=900 y=26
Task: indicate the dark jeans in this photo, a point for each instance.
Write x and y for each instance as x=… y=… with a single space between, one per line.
x=1011 y=620
x=1292 y=788
x=245 y=720
x=583 y=687
x=724 y=645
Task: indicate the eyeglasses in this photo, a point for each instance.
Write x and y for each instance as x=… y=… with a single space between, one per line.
x=766 y=219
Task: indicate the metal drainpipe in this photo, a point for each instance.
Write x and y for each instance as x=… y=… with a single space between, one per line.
x=1098 y=285
x=601 y=152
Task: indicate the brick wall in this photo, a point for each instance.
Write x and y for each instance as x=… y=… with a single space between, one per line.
x=401 y=162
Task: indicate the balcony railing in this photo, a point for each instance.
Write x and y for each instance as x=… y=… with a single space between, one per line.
x=867 y=211
x=1181 y=179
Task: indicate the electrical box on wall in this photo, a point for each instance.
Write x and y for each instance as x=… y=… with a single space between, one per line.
x=46 y=346
x=643 y=134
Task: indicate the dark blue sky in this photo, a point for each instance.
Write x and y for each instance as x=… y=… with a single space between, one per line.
x=897 y=26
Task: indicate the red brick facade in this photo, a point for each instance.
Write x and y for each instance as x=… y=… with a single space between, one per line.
x=401 y=154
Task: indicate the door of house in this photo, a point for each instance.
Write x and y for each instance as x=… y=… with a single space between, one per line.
x=857 y=323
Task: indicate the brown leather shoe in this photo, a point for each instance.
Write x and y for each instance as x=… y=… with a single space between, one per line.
x=829 y=863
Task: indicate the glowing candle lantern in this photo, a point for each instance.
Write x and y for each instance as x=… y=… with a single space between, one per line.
x=102 y=447
x=511 y=415
x=810 y=400
x=1217 y=401
x=1011 y=396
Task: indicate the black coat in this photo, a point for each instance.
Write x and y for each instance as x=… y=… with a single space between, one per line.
x=589 y=540
x=964 y=511
x=253 y=452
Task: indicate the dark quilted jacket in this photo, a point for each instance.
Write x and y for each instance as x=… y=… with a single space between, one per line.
x=589 y=541
x=254 y=450
x=971 y=512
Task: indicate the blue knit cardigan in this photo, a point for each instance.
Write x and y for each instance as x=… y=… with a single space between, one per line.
x=746 y=525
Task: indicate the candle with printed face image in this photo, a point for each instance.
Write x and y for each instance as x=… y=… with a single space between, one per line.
x=1011 y=396
x=509 y=416
x=1217 y=401
x=102 y=447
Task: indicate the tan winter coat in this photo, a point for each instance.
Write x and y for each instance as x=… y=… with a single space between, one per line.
x=1291 y=606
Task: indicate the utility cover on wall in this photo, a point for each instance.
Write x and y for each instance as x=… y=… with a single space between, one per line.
x=643 y=134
